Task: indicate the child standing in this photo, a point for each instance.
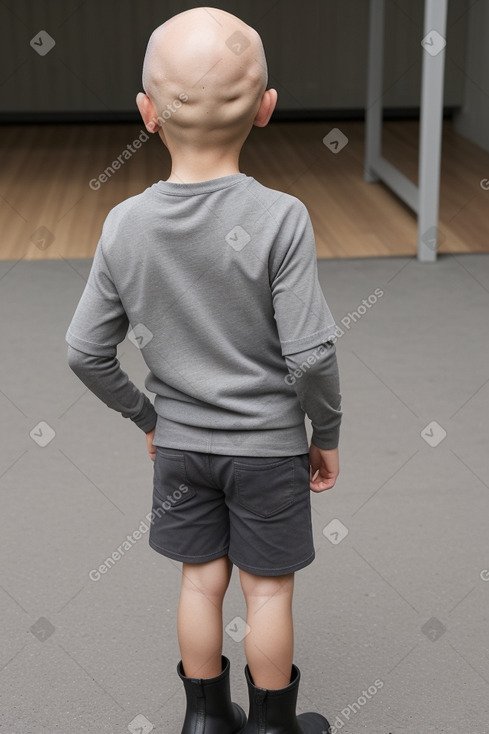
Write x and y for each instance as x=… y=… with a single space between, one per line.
x=217 y=275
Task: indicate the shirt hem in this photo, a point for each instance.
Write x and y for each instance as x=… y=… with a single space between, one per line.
x=289 y=441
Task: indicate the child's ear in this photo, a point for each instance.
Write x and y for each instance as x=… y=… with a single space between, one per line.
x=148 y=112
x=267 y=106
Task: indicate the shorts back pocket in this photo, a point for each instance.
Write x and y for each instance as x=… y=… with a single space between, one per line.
x=264 y=485
x=170 y=484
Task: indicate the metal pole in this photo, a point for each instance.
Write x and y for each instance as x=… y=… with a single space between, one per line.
x=431 y=122
x=374 y=102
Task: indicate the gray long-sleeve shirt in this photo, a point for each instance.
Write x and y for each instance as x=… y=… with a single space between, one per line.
x=218 y=281
x=314 y=374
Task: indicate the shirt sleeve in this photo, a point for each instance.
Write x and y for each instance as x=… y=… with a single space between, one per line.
x=107 y=380
x=315 y=377
x=303 y=317
x=100 y=322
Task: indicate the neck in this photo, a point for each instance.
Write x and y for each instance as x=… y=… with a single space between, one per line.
x=191 y=166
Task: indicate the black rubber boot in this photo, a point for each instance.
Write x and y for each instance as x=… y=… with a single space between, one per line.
x=209 y=706
x=273 y=711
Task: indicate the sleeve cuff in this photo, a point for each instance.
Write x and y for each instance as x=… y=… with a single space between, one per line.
x=147 y=418
x=326 y=440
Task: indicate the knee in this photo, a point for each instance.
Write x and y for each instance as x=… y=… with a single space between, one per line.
x=265 y=586
x=210 y=579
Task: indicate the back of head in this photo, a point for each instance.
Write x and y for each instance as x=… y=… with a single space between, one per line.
x=205 y=72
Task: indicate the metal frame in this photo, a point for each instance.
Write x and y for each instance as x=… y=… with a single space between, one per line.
x=424 y=198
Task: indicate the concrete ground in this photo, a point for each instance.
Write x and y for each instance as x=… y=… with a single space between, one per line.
x=391 y=618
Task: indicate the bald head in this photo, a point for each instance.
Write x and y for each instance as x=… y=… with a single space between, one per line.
x=205 y=71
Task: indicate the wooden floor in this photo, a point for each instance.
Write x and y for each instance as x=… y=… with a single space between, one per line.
x=45 y=172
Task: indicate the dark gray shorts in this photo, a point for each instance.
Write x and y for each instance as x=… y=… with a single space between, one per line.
x=254 y=509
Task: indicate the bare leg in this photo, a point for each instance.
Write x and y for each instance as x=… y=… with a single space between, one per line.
x=199 y=622
x=269 y=646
